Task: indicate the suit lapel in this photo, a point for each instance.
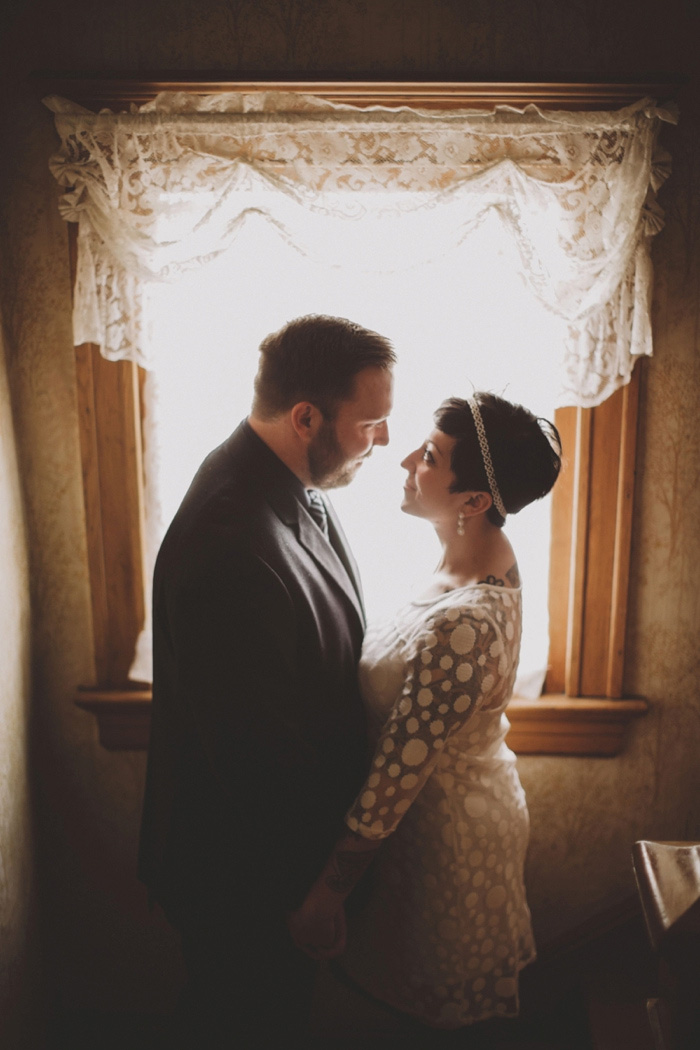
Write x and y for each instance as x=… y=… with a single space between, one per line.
x=342 y=549
x=285 y=494
x=290 y=510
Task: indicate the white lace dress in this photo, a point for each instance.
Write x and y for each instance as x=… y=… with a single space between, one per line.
x=447 y=927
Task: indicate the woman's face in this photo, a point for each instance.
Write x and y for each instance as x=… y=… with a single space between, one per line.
x=427 y=489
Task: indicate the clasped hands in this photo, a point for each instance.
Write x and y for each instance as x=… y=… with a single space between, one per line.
x=318 y=929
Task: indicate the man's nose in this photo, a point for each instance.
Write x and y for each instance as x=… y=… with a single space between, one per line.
x=381 y=434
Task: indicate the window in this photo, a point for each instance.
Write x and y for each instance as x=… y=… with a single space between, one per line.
x=465 y=320
x=591 y=513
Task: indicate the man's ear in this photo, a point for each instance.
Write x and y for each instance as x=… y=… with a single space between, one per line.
x=306 y=419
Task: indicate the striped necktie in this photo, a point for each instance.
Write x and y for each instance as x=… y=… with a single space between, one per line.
x=317 y=510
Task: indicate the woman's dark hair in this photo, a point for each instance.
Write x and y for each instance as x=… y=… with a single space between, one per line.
x=315 y=358
x=525 y=450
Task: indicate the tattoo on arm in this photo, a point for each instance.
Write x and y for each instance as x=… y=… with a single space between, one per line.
x=513 y=576
x=348 y=866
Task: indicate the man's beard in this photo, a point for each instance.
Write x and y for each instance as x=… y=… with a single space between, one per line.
x=328 y=466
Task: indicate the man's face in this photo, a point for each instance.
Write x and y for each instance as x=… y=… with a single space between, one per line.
x=340 y=447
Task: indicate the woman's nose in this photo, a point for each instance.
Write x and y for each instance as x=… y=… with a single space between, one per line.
x=409 y=463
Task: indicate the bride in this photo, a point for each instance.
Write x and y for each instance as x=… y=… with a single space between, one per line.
x=447 y=927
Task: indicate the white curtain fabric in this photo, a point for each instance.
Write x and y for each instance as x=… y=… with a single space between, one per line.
x=168 y=187
x=160 y=191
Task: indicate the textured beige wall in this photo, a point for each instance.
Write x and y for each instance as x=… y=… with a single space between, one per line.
x=18 y=948
x=587 y=813
x=103 y=949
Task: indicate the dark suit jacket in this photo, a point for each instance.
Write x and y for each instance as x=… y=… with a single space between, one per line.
x=258 y=740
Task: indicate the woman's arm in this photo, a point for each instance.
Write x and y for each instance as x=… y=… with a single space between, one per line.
x=458 y=670
x=459 y=663
x=318 y=925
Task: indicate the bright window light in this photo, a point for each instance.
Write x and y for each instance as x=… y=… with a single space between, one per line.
x=464 y=322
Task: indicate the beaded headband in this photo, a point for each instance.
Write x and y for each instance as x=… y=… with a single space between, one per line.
x=486 y=456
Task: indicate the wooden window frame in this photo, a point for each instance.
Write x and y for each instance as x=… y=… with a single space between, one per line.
x=582 y=710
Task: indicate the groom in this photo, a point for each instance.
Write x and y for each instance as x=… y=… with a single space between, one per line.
x=258 y=737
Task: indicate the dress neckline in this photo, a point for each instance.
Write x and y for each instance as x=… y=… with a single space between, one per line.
x=464 y=587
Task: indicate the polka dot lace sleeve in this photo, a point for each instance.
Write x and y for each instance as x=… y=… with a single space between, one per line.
x=457 y=670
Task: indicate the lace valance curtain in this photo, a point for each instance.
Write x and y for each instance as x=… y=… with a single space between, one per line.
x=168 y=187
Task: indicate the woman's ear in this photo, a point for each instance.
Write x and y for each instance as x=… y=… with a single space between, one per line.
x=477 y=503
x=306 y=419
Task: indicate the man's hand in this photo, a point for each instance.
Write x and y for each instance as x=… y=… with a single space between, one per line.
x=319 y=931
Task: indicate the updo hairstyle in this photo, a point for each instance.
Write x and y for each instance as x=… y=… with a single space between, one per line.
x=525 y=451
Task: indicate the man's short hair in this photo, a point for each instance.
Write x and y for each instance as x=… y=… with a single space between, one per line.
x=315 y=358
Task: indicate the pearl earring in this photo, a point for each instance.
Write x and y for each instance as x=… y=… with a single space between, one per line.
x=460 y=523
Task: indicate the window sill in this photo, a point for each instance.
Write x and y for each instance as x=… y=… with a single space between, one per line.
x=123 y=715
x=551 y=725
x=565 y=725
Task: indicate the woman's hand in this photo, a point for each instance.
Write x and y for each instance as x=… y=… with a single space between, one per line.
x=316 y=928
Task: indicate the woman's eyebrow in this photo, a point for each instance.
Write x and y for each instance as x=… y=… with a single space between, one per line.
x=435 y=448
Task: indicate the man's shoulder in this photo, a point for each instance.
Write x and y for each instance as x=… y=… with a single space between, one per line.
x=228 y=523
x=230 y=489
x=217 y=557
x=228 y=520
